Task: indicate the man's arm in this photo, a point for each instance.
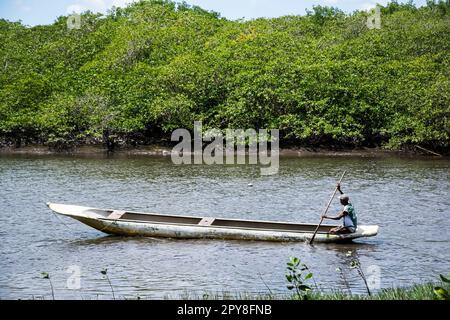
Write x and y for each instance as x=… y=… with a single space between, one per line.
x=338 y=217
x=341 y=214
x=339 y=188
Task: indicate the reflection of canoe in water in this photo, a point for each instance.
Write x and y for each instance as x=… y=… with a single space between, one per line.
x=126 y=223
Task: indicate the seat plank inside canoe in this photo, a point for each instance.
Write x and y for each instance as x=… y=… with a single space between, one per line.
x=207 y=222
x=116 y=215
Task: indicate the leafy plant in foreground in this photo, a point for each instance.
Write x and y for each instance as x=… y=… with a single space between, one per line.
x=356 y=264
x=297 y=275
x=105 y=273
x=440 y=292
x=45 y=275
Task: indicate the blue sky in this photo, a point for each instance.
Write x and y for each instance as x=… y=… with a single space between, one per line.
x=33 y=12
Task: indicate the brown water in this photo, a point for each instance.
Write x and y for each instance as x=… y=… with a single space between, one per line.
x=408 y=198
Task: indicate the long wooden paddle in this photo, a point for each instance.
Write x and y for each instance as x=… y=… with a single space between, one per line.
x=326 y=209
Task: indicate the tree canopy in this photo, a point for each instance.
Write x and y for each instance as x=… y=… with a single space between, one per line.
x=137 y=73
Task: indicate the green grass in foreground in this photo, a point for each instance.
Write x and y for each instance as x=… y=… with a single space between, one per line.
x=417 y=292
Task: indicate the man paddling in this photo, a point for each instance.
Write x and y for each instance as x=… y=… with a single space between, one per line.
x=348 y=214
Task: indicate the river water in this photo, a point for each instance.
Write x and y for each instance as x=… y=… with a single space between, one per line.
x=408 y=198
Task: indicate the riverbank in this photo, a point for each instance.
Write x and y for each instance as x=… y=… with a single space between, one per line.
x=161 y=150
x=417 y=292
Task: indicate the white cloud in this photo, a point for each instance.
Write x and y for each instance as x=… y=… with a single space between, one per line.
x=368 y=6
x=121 y=3
x=75 y=8
x=96 y=5
x=22 y=6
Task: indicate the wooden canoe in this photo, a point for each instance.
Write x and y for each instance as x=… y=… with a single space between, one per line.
x=127 y=223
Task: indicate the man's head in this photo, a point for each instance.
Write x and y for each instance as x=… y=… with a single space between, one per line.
x=344 y=199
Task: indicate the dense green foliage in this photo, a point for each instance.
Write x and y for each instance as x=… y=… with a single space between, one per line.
x=138 y=73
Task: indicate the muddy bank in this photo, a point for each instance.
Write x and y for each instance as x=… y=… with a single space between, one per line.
x=159 y=150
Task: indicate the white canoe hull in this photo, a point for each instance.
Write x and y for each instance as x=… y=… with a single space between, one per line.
x=100 y=220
